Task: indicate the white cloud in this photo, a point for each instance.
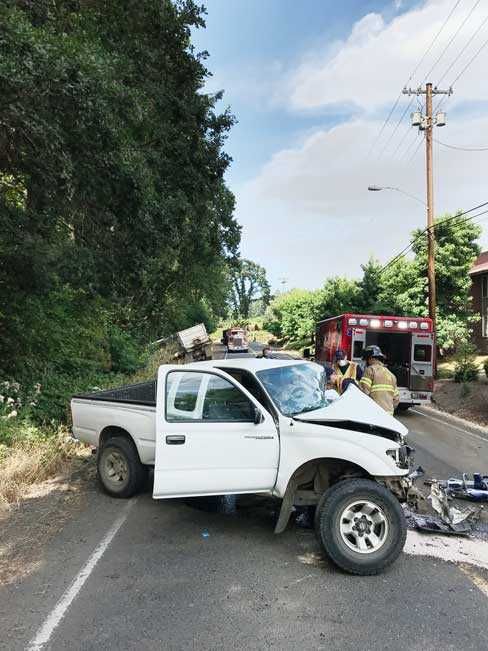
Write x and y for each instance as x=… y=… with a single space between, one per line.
x=376 y=59
x=309 y=215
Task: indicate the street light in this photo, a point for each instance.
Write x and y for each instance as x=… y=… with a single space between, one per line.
x=378 y=188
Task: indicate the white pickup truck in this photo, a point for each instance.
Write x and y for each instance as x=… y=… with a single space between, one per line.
x=259 y=426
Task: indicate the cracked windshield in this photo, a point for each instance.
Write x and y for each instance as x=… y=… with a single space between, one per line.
x=296 y=389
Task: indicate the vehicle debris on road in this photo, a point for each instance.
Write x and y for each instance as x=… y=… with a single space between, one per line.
x=475 y=490
x=450 y=519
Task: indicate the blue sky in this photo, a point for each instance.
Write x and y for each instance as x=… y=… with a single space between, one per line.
x=310 y=82
x=247 y=38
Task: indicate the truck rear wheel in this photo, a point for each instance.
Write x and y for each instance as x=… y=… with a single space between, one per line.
x=119 y=469
x=361 y=526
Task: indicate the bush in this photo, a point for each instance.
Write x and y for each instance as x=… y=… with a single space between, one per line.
x=125 y=355
x=465 y=372
x=465 y=369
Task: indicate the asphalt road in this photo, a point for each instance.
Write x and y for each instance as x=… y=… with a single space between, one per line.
x=145 y=574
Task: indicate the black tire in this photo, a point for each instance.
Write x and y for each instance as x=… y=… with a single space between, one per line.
x=392 y=527
x=134 y=475
x=402 y=407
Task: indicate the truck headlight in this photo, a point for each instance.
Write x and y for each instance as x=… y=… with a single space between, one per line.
x=402 y=455
x=394 y=455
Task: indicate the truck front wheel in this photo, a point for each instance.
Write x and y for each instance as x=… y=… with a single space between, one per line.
x=119 y=469
x=361 y=526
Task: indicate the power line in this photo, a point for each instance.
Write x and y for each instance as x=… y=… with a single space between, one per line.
x=402 y=140
x=452 y=39
x=476 y=54
x=416 y=140
x=445 y=144
x=392 y=110
x=416 y=150
x=463 y=50
x=441 y=55
x=396 y=127
x=434 y=226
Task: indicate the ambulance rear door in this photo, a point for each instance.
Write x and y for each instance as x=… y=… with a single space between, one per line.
x=422 y=366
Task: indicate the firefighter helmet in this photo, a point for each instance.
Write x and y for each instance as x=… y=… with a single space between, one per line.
x=372 y=351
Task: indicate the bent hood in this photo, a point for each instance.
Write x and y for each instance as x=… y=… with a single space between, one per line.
x=355 y=406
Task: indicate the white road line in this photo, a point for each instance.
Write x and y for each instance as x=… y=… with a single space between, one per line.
x=44 y=633
x=443 y=422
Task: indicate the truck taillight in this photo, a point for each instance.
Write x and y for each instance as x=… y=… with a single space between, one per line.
x=430 y=384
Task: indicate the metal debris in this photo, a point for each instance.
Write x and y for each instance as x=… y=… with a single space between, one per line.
x=450 y=515
x=417 y=473
x=432 y=524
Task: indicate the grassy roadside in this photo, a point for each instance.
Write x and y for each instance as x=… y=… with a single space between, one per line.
x=33 y=448
x=33 y=456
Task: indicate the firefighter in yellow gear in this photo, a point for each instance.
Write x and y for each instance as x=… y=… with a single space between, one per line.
x=378 y=382
x=345 y=372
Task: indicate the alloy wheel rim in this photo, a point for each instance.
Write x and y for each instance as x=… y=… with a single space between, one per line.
x=363 y=527
x=115 y=468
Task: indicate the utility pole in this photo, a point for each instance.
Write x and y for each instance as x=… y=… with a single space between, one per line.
x=430 y=206
x=426 y=124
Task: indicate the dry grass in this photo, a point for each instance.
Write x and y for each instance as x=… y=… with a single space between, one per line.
x=29 y=461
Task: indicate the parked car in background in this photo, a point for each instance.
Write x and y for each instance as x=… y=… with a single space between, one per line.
x=264 y=426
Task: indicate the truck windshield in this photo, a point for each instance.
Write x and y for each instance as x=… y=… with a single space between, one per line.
x=297 y=388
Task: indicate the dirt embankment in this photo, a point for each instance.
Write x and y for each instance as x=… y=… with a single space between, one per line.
x=469 y=401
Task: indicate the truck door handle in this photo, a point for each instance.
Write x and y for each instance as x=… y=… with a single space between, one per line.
x=176 y=439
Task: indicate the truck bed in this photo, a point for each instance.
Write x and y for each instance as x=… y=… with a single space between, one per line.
x=142 y=393
x=131 y=409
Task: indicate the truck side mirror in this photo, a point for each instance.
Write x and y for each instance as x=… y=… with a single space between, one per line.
x=258 y=416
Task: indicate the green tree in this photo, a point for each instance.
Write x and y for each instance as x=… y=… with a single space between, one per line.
x=106 y=133
x=371 y=299
x=249 y=283
x=405 y=287
x=112 y=194
x=293 y=314
x=338 y=295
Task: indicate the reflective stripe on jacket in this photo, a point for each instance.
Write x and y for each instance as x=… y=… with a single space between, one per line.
x=380 y=385
x=350 y=374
